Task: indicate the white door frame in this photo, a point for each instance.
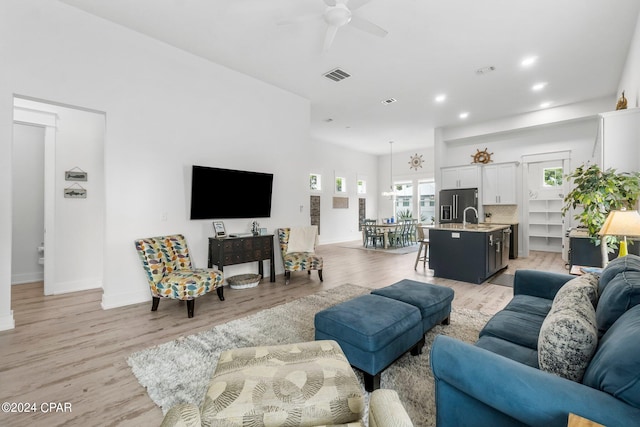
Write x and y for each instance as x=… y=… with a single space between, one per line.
x=565 y=158
x=47 y=120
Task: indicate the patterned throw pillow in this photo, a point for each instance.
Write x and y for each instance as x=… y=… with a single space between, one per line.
x=568 y=336
x=586 y=284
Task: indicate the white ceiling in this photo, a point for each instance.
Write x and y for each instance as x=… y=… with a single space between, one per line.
x=432 y=47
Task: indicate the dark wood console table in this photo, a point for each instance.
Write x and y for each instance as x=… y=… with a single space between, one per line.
x=238 y=250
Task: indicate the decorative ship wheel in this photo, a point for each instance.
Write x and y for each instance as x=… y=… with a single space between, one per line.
x=482 y=156
x=416 y=162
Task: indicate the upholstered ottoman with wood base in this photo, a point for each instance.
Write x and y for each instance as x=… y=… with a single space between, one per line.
x=373 y=331
x=304 y=384
x=433 y=301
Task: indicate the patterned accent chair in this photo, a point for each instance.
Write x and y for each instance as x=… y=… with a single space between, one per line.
x=297 y=261
x=171 y=274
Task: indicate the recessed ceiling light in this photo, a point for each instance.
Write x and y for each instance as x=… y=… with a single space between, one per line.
x=464 y=115
x=539 y=86
x=529 y=61
x=545 y=104
x=441 y=97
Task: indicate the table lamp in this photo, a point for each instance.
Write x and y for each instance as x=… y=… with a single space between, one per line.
x=621 y=223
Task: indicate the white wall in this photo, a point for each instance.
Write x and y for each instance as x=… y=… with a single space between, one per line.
x=328 y=160
x=166 y=110
x=28 y=203
x=630 y=80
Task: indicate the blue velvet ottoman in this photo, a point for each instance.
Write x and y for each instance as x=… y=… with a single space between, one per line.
x=373 y=331
x=433 y=301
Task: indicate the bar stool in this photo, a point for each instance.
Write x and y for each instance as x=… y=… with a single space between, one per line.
x=424 y=244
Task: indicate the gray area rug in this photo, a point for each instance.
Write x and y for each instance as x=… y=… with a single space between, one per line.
x=179 y=371
x=403 y=250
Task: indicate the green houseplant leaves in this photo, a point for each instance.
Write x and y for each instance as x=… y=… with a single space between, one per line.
x=597 y=192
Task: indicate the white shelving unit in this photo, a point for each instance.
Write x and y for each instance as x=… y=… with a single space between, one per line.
x=546 y=225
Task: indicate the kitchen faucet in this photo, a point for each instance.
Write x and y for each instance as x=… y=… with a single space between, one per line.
x=464 y=215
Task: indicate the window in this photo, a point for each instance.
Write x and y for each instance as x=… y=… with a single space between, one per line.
x=427 y=196
x=362 y=186
x=341 y=184
x=404 y=199
x=315 y=182
x=552 y=177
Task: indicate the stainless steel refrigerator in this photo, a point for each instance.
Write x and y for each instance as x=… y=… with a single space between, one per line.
x=454 y=202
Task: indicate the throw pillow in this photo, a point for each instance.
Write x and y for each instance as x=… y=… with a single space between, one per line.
x=586 y=284
x=568 y=337
x=621 y=293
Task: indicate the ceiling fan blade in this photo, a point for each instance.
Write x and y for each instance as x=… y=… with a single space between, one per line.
x=298 y=19
x=356 y=4
x=328 y=38
x=330 y=2
x=368 y=26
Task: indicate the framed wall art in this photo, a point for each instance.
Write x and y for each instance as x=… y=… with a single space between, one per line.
x=75 y=174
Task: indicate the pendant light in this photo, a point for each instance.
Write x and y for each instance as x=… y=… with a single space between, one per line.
x=391 y=191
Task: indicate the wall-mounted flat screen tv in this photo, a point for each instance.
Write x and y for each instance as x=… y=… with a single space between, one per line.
x=226 y=193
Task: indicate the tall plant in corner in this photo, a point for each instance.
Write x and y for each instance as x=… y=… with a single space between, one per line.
x=597 y=192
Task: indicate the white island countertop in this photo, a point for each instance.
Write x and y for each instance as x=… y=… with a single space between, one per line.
x=478 y=228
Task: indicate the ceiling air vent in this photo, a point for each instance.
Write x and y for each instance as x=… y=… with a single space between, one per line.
x=389 y=101
x=337 y=75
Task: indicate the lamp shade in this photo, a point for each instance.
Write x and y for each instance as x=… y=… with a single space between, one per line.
x=621 y=223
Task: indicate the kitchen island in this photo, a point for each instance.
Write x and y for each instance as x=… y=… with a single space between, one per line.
x=469 y=253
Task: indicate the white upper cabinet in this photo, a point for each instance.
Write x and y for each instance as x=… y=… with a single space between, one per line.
x=619 y=140
x=460 y=177
x=499 y=184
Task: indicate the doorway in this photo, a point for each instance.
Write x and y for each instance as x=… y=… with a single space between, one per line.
x=543 y=201
x=69 y=138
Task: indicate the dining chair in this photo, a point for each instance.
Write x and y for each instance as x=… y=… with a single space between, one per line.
x=371 y=234
x=397 y=236
x=423 y=239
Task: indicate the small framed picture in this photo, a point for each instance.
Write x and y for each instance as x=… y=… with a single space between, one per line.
x=75 y=175
x=262 y=231
x=75 y=193
x=218 y=229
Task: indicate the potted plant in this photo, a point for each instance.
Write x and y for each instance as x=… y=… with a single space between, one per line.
x=595 y=193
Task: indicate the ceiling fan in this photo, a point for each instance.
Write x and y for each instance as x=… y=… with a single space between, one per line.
x=338 y=14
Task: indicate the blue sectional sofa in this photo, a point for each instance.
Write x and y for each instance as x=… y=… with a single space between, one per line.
x=518 y=374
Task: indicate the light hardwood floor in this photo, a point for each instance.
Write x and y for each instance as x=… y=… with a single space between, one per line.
x=66 y=349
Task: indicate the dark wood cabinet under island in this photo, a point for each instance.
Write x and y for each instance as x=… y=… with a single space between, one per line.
x=471 y=254
x=238 y=250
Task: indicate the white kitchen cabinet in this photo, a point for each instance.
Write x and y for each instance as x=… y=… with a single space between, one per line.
x=499 y=184
x=460 y=177
x=619 y=140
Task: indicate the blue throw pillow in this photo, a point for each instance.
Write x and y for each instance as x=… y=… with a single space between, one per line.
x=615 y=368
x=621 y=293
x=618 y=265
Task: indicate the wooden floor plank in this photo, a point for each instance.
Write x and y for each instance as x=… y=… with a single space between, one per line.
x=65 y=348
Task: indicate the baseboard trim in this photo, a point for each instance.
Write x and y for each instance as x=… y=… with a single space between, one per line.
x=123 y=299
x=76 y=285
x=19 y=279
x=7 y=322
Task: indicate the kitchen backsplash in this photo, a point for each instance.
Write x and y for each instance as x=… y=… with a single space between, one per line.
x=502 y=214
